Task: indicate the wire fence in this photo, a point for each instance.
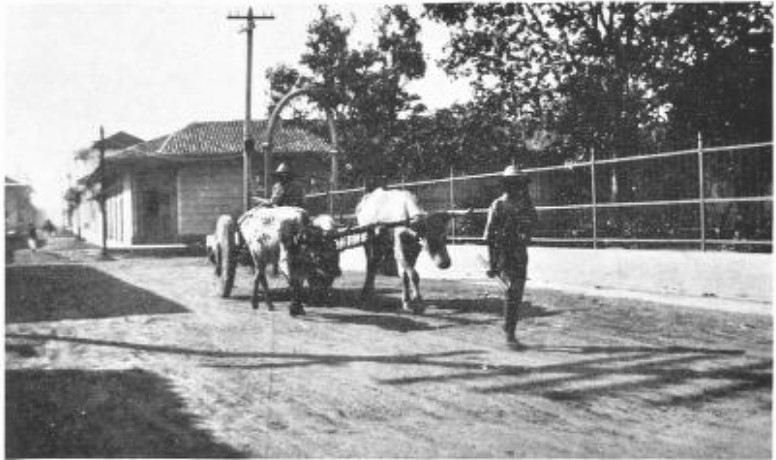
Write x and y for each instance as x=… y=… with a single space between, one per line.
x=705 y=198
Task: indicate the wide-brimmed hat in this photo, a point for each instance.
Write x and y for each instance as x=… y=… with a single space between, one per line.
x=283 y=170
x=513 y=173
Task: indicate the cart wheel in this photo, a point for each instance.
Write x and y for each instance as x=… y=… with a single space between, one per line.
x=225 y=255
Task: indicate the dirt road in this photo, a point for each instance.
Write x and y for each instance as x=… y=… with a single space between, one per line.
x=137 y=357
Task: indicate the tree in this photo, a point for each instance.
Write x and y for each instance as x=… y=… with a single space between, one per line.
x=72 y=197
x=622 y=78
x=282 y=79
x=365 y=87
x=612 y=74
x=719 y=73
x=581 y=69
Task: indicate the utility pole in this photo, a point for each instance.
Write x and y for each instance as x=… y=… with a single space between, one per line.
x=103 y=195
x=249 y=143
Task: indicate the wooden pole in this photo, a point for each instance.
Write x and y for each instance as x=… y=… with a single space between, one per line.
x=103 y=195
x=249 y=143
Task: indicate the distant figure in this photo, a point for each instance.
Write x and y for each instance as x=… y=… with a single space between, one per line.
x=32 y=237
x=511 y=218
x=286 y=191
x=49 y=228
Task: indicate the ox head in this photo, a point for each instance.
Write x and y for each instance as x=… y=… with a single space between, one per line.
x=321 y=255
x=432 y=229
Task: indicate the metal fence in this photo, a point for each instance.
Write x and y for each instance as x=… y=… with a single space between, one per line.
x=702 y=198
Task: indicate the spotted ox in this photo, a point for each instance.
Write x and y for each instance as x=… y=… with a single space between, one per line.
x=273 y=237
x=402 y=243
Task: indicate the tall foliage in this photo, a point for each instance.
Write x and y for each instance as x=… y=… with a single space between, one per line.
x=365 y=88
x=616 y=76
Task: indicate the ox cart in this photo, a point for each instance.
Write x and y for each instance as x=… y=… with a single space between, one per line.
x=226 y=249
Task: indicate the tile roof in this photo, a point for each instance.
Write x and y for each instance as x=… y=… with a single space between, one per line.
x=225 y=138
x=14 y=183
x=117 y=141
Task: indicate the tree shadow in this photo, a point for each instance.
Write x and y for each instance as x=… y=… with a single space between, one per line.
x=101 y=414
x=70 y=291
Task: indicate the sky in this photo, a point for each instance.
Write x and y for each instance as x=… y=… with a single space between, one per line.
x=150 y=68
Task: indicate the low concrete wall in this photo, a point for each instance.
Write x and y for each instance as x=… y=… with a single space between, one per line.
x=723 y=275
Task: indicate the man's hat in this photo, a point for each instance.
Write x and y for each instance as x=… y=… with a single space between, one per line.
x=283 y=170
x=512 y=173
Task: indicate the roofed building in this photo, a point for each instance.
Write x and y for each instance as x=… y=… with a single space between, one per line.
x=19 y=210
x=171 y=189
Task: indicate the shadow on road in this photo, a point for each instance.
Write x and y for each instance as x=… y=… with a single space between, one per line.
x=655 y=373
x=294 y=358
x=385 y=310
x=75 y=413
x=493 y=306
x=57 y=292
x=390 y=321
x=647 y=370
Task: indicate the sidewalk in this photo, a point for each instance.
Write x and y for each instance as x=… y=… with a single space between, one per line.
x=712 y=280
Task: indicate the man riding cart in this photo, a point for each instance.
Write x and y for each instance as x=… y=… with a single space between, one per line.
x=286 y=191
x=277 y=232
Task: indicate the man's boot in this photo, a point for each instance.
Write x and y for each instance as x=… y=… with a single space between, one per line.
x=510 y=320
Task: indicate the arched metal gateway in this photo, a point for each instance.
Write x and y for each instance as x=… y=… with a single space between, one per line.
x=270 y=133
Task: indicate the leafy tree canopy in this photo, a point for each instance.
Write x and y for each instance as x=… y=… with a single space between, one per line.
x=614 y=75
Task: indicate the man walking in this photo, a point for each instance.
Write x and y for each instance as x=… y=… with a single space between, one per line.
x=511 y=219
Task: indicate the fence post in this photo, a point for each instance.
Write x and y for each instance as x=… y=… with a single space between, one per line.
x=593 y=198
x=701 y=194
x=330 y=198
x=452 y=201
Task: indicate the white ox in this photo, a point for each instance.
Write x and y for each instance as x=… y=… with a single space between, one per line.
x=273 y=236
x=389 y=206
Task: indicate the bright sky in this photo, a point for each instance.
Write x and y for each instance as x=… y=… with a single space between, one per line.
x=149 y=68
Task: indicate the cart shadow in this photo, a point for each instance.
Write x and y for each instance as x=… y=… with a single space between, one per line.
x=388 y=321
x=100 y=414
x=384 y=310
x=493 y=306
x=71 y=291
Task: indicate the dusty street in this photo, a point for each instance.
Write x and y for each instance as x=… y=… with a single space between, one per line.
x=136 y=357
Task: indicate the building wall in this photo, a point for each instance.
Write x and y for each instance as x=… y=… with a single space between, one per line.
x=200 y=192
x=210 y=188
x=19 y=211
x=87 y=221
x=155 y=205
x=118 y=210
x=127 y=209
x=205 y=191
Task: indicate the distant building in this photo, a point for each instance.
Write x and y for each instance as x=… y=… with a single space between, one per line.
x=173 y=188
x=19 y=211
x=85 y=220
